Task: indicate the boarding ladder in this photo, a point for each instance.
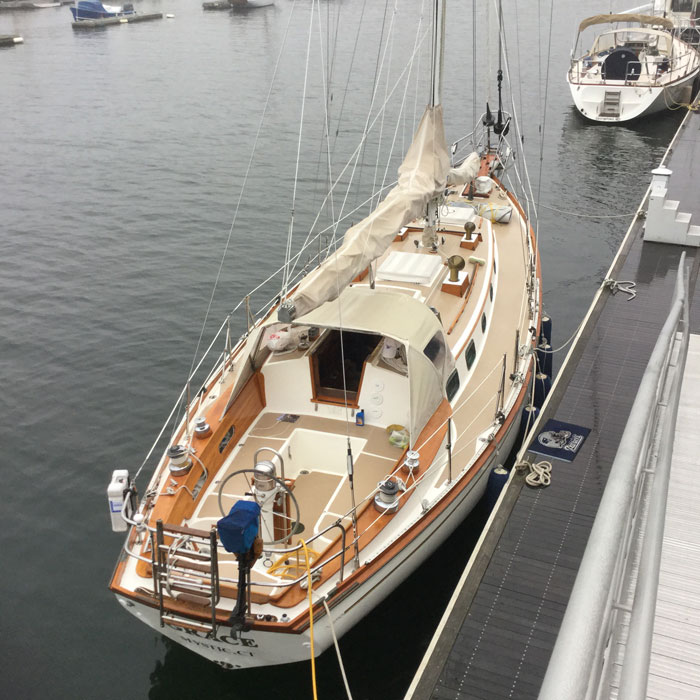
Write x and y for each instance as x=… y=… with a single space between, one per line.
x=611 y=104
x=185 y=568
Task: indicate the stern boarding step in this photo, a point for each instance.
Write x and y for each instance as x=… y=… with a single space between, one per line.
x=611 y=104
x=186 y=568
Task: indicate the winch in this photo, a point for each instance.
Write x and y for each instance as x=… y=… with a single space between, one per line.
x=202 y=429
x=412 y=462
x=180 y=461
x=386 y=500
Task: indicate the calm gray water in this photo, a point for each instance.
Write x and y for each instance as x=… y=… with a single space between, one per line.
x=123 y=153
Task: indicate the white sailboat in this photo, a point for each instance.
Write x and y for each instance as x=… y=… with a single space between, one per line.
x=637 y=67
x=353 y=427
x=682 y=13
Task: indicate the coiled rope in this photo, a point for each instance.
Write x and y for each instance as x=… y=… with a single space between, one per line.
x=540 y=473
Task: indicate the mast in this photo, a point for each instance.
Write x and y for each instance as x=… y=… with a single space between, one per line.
x=429 y=238
x=438 y=52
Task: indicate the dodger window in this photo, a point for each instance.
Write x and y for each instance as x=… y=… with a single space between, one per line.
x=435 y=351
x=329 y=359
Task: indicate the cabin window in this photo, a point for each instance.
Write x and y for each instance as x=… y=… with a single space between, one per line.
x=491 y=292
x=338 y=364
x=435 y=351
x=470 y=354
x=452 y=385
x=483 y=323
x=226 y=439
x=494 y=266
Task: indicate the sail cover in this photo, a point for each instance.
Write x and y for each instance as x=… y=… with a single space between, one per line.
x=422 y=177
x=641 y=19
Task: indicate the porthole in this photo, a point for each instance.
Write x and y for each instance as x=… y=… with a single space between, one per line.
x=470 y=354
x=483 y=323
x=452 y=385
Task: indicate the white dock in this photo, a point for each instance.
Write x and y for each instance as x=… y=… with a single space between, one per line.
x=674 y=670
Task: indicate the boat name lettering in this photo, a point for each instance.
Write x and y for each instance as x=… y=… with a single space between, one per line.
x=225 y=638
x=227 y=650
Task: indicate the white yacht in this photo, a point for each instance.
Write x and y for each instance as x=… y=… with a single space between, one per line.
x=636 y=67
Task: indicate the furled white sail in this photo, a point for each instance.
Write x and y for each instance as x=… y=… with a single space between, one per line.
x=466 y=171
x=422 y=177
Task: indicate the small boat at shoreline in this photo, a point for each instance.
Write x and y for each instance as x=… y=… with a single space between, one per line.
x=631 y=71
x=236 y=5
x=91 y=9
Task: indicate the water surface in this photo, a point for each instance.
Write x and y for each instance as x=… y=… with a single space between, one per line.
x=123 y=154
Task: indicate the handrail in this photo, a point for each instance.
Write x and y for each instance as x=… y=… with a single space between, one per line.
x=576 y=665
x=635 y=676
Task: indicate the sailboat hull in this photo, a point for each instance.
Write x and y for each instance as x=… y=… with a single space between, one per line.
x=634 y=102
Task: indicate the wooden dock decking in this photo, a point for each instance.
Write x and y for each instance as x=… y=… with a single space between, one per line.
x=497 y=635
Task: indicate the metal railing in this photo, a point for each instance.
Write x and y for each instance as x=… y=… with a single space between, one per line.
x=610 y=589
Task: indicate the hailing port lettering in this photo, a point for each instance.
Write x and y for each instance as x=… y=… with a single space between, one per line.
x=200 y=639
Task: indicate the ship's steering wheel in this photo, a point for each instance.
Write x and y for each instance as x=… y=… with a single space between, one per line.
x=292 y=522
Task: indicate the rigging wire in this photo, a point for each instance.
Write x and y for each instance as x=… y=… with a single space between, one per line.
x=544 y=107
x=324 y=141
x=402 y=111
x=238 y=204
x=288 y=251
x=355 y=157
x=517 y=55
x=379 y=63
x=337 y=650
x=350 y=70
x=527 y=185
x=389 y=49
x=326 y=121
x=407 y=70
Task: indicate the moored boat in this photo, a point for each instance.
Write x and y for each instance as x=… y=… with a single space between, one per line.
x=92 y=9
x=354 y=425
x=631 y=71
